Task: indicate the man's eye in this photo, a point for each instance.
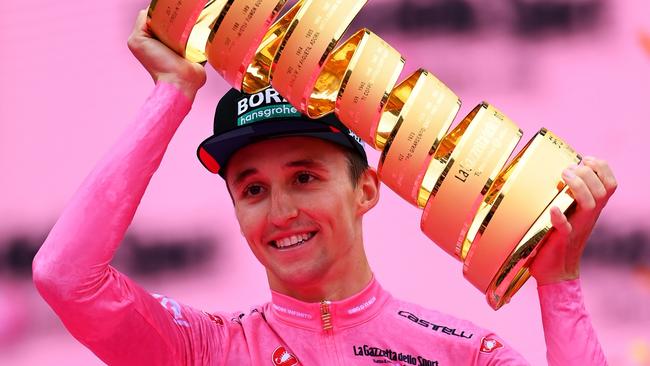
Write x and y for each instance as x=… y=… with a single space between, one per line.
x=304 y=178
x=252 y=190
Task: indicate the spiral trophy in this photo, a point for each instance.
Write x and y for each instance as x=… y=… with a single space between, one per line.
x=491 y=217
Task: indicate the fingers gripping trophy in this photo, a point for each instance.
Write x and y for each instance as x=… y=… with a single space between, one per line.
x=490 y=216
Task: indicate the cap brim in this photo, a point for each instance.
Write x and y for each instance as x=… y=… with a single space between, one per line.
x=215 y=152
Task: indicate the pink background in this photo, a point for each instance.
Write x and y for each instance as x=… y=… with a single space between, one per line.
x=68 y=86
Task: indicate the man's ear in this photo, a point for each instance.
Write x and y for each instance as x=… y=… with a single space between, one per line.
x=368 y=190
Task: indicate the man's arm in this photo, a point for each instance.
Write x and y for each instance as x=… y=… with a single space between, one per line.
x=101 y=307
x=570 y=336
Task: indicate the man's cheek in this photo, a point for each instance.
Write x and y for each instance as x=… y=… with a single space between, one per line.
x=250 y=228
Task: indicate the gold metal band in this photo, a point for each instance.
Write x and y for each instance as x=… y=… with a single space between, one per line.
x=236 y=35
x=184 y=26
x=373 y=73
x=515 y=270
x=355 y=83
x=395 y=106
x=258 y=73
x=519 y=194
x=312 y=35
x=461 y=172
x=424 y=120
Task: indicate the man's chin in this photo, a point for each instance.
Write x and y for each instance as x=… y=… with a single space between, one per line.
x=297 y=277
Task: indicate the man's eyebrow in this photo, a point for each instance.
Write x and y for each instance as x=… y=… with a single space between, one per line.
x=305 y=163
x=244 y=174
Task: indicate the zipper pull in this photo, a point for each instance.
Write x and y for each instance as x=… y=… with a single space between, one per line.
x=325 y=315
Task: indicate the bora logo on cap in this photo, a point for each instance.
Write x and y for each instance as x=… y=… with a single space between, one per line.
x=264 y=105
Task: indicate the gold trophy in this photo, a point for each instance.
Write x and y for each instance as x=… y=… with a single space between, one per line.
x=491 y=217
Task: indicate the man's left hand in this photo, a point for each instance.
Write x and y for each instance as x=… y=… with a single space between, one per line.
x=591 y=184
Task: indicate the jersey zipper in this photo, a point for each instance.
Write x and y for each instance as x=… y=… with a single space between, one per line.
x=326 y=316
x=328 y=332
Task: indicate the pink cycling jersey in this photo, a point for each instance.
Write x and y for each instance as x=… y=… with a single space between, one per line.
x=125 y=325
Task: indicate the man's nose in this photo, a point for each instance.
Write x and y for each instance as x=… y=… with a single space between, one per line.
x=283 y=209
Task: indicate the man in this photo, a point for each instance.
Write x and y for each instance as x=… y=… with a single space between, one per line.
x=300 y=189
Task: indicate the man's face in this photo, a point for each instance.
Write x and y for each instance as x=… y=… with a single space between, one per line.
x=298 y=208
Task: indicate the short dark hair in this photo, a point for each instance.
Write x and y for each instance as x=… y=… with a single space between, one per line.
x=357 y=165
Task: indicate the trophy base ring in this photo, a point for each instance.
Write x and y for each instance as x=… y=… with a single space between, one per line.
x=512 y=204
x=515 y=271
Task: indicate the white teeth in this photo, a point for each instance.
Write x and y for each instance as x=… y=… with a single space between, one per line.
x=292 y=240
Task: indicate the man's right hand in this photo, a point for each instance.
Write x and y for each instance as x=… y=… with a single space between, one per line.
x=161 y=62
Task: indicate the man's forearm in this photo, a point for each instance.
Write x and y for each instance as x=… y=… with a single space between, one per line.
x=79 y=248
x=570 y=336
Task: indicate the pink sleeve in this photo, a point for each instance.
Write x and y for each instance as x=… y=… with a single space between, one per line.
x=106 y=311
x=570 y=336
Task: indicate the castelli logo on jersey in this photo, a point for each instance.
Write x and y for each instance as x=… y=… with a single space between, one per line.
x=283 y=358
x=488 y=345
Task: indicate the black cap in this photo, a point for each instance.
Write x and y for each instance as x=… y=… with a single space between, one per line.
x=242 y=119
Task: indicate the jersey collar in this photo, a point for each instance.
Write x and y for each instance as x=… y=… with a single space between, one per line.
x=330 y=315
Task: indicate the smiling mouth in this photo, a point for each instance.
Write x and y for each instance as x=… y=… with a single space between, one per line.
x=292 y=241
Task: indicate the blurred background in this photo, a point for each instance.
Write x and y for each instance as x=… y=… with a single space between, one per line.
x=69 y=86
